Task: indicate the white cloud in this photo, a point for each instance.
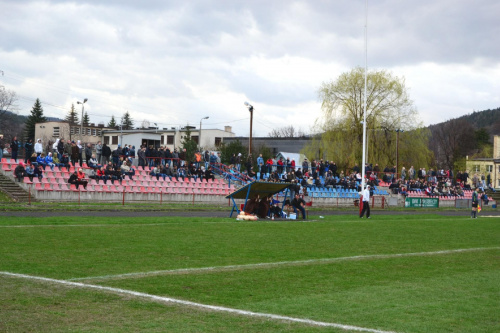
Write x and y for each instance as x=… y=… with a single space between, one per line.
x=175 y=62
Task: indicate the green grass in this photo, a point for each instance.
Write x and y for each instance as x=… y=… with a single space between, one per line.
x=453 y=292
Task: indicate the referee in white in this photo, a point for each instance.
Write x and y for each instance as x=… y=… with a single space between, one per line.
x=366 y=202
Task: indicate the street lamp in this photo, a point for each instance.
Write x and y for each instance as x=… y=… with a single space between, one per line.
x=250 y=108
x=81 y=120
x=199 y=135
x=397 y=149
x=156 y=127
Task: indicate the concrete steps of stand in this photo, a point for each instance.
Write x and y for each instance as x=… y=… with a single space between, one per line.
x=13 y=190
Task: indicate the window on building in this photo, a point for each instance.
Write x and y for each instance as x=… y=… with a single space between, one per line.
x=489 y=168
x=106 y=140
x=114 y=140
x=75 y=130
x=99 y=132
x=476 y=168
x=55 y=134
x=218 y=141
x=94 y=132
x=89 y=131
x=196 y=139
x=170 y=139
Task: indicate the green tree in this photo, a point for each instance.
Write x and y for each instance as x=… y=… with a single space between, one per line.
x=35 y=117
x=72 y=117
x=234 y=147
x=112 y=122
x=189 y=144
x=340 y=130
x=127 y=121
x=86 y=119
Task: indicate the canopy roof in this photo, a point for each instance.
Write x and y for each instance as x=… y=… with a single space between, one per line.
x=258 y=187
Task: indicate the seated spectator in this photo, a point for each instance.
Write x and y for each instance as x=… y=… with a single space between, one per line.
x=64 y=161
x=485 y=198
x=38 y=172
x=30 y=171
x=77 y=179
x=275 y=208
x=40 y=160
x=299 y=204
x=20 y=172
x=93 y=163
x=32 y=160
x=49 y=161
x=155 y=172
x=127 y=169
x=209 y=174
x=101 y=175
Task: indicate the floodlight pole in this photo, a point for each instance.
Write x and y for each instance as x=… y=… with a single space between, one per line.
x=364 y=104
x=81 y=120
x=199 y=135
x=250 y=108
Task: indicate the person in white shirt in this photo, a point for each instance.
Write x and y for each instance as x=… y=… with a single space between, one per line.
x=366 y=202
x=38 y=147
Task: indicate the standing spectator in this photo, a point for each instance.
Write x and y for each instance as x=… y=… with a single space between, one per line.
x=142 y=157
x=305 y=165
x=131 y=154
x=260 y=166
x=238 y=162
x=74 y=153
x=106 y=153
x=366 y=202
x=68 y=147
x=54 y=147
x=28 y=150
x=2 y=146
x=80 y=152
x=116 y=155
x=98 y=152
x=60 y=149
x=475 y=204
x=38 y=147
x=88 y=153
x=14 y=147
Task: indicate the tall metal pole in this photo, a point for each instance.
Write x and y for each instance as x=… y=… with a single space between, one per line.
x=199 y=136
x=250 y=108
x=81 y=119
x=397 y=152
x=251 y=122
x=364 y=106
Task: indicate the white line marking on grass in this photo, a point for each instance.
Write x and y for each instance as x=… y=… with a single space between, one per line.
x=196 y=305
x=279 y=263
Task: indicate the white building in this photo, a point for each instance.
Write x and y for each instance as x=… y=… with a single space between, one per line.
x=171 y=138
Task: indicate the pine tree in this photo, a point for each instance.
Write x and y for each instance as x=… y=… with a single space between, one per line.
x=86 y=119
x=35 y=117
x=127 y=121
x=189 y=144
x=112 y=122
x=72 y=117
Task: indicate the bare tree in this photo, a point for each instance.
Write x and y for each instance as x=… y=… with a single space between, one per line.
x=283 y=132
x=7 y=104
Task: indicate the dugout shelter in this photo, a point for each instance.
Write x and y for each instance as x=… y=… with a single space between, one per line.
x=261 y=188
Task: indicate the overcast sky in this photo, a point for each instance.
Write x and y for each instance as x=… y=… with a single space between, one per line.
x=175 y=62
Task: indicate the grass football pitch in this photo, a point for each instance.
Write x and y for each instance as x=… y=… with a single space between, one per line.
x=397 y=273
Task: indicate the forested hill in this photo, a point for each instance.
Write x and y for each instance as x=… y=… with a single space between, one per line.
x=487 y=119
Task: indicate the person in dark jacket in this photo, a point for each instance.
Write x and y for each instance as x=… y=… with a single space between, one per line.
x=88 y=153
x=75 y=153
x=60 y=149
x=28 y=150
x=106 y=153
x=14 y=146
x=20 y=172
